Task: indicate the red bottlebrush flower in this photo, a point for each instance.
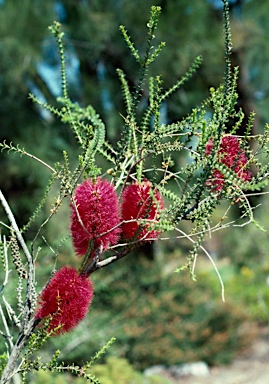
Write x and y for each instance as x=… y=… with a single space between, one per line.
x=232 y=156
x=209 y=147
x=95 y=214
x=65 y=300
x=217 y=180
x=140 y=201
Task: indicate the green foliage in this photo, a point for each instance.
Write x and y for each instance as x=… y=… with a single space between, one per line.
x=3 y=360
x=46 y=377
x=32 y=363
x=171 y=320
x=119 y=371
x=115 y=370
x=249 y=288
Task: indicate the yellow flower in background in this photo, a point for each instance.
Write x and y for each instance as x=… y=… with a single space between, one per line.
x=247 y=272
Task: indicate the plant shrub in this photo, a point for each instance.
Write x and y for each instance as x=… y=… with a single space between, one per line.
x=170 y=320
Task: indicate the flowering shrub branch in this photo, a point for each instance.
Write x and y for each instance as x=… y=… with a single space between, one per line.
x=142 y=196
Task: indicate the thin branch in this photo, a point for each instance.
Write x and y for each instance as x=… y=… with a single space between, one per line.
x=210 y=258
x=15 y=227
x=6 y=265
x=8 y=336
x=27 y=324
x=39 y=160
x=11 y=313
x=96 y=264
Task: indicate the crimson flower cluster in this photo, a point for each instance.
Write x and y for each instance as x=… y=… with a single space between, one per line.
x=231 y=155
x=98 y=219
x=65 y=300
x=98 y=213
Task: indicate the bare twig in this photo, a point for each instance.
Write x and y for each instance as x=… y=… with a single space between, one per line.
x=15 y=227
x=210 y=258
x=27 y=324
x=7 y=334
x=6 y=264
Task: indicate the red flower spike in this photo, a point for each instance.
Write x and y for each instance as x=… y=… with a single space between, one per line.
x=139 y=201
x=218 y=180
x=95 y=214
x=232 y=156
x=65 y=300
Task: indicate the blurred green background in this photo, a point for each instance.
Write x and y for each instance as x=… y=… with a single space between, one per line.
x=157 y=316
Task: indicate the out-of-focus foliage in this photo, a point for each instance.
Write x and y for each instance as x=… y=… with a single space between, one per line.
x=45 y=377
x=250 y=288
x=117 y=370
x=170 y=320
x=114 y=370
